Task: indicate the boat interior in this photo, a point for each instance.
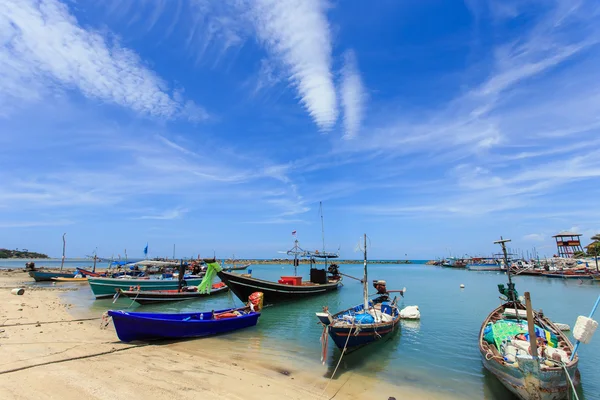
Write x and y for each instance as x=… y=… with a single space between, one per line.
x=505 y=338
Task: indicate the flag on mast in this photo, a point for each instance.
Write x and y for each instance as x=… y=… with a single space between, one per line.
x=293 y=233
x=146 y=250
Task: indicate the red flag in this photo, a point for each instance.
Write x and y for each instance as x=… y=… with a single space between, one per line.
x=293 y=233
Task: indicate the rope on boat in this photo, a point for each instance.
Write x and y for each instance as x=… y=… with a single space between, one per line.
x=340 y=360
x=564 y=366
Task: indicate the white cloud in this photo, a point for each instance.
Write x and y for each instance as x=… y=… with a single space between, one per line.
x=353 y=95
x=297 y=33
x=44 y=50
x=32 y=224
x=175 y=213
x=535 y=237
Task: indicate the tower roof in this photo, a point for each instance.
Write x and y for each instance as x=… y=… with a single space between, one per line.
x=566 y=233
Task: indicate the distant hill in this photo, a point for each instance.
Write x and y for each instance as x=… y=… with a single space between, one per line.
x=5 y=253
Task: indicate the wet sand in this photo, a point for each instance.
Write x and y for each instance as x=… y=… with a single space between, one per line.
x=50 y=353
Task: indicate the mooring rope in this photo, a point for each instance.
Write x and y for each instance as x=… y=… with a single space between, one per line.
x=340 y=360
x=564 y=366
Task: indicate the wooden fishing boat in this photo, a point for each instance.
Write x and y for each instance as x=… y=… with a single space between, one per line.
x=363 y=324
x=288 y=287
x=566 y=275
x=528 y=353
x=529 y=378
x=132 y=326
x=86 y=272
x=107 y=287
x=238 y=268
x=74 y=279
x=162 y=296
x=41 y=276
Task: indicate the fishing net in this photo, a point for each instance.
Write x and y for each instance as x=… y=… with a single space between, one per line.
x=211 y=271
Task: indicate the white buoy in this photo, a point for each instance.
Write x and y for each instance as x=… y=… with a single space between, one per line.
x=584 y=329
x=410 y=312
x=462 y=285
x=18 y=291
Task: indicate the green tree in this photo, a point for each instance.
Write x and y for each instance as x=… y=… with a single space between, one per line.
x=594 y=249
x=579 y=254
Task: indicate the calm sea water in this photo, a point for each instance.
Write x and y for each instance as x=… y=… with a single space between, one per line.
x=6 y=263
x=438 y=353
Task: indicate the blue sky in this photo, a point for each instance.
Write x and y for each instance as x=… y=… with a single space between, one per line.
x=433 y=126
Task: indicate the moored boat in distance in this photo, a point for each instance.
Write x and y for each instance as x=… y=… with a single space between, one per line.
x=165 y=296
x=453 y=262
x=74 y=279
x=42 y=276
x=107 y=287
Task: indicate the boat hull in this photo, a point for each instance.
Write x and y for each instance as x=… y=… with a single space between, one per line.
x=107 y=287
x=569 y=276
x=61 y=279
x=274 y=292
x=353 y=338
x=40 y=276
x=542 y=385
x=165 y=296
x=483 y=268
x=152 y=326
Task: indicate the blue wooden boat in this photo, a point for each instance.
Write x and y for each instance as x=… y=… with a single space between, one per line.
x=132 y=326
x=354 y=328
x=363 y=324
x=40 y=276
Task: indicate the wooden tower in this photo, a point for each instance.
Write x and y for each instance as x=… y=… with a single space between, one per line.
x=567 y=243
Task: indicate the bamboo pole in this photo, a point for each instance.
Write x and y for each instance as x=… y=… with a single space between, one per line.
x=530 y=325
x=62 y=262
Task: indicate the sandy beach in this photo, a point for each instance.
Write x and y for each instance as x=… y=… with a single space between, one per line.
x=50 y=353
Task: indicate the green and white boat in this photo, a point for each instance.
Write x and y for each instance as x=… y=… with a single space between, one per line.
x=107 y=287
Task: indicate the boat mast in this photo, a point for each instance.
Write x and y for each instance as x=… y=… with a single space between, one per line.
x=511 y=285
x=323 y=232
x=62 y=262
x=296 y=257
x=365 y=287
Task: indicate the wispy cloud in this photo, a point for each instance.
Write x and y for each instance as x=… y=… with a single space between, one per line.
x=175 y=213
x=353 y=95
x=34 y=224
x=297 y=33
x=45 y=50
x=535 y=237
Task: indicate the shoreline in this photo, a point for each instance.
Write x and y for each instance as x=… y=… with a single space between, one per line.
x=62 y=355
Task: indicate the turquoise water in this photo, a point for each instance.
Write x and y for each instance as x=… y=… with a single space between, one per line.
x=51 y=263
x=439 y=353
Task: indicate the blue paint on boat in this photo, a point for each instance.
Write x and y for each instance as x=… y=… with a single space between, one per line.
x=132 y=326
